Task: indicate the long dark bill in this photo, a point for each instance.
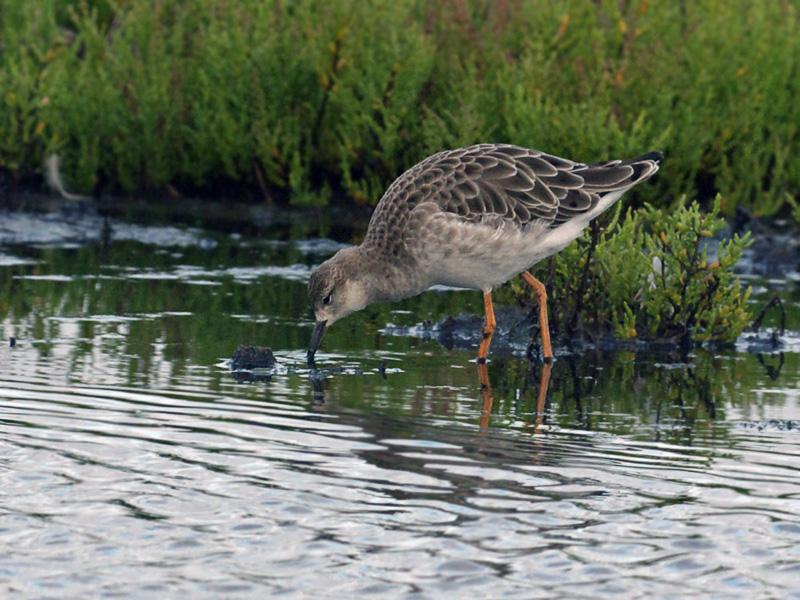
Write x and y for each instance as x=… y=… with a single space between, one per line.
x=316 y=338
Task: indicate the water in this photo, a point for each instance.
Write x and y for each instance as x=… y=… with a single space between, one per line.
x=132 y=463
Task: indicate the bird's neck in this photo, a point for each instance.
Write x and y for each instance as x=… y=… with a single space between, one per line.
x=390 y=278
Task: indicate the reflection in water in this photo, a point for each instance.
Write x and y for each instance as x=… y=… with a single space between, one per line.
x=541 y=395
x=773 y=370
x=133 y=463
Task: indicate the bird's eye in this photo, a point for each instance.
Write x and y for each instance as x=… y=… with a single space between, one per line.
x=327 y=299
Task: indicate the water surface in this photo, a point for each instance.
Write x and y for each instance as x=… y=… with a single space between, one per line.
x=133 y=463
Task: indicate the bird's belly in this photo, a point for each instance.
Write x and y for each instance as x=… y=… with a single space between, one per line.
x=485 y=262
x=484 y=267
x=479 y=273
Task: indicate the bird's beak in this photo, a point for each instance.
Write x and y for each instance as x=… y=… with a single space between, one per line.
x=316 y=338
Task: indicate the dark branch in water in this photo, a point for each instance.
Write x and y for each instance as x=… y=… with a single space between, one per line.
x=776 y=301
x=772 y=371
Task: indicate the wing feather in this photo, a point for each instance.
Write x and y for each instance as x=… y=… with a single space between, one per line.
x=501 y=185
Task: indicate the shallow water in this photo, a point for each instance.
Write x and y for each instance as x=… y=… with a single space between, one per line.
x=133 y=463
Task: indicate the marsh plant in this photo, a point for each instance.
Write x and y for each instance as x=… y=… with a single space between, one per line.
x=315 y=101
x=653 y=274
x=320 y=102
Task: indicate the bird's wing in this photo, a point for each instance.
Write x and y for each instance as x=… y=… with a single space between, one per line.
x=517 y=184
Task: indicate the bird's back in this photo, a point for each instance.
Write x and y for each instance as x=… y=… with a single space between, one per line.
x=501 y=183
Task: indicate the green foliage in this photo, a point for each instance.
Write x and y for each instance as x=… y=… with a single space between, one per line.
x=649 y=276
x=305 y=96
x=24 y=63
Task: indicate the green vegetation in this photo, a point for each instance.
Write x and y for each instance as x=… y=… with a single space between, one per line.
x=648 y=276
x=314 y=101
x=314 y=98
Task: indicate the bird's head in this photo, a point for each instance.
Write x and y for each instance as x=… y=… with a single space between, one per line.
x=337 y=288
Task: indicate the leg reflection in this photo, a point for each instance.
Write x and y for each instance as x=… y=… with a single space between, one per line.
x=317 y=387
x=488 y=398
x=541 y=397
x=486 y=394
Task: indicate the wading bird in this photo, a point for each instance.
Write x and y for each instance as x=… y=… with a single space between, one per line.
x=471 y=218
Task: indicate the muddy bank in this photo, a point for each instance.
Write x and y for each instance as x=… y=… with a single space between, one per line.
x=516 y=327
x=774 y=253
x=228 y=216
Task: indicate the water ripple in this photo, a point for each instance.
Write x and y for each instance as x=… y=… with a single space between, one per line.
x=215 y=485
x=133 y=464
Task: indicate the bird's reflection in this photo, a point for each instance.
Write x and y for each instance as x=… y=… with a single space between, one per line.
x=593 y=390
x=318 y=377
x=541 y=395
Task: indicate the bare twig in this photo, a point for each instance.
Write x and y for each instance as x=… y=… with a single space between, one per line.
x=776 y=301
x=584 y=276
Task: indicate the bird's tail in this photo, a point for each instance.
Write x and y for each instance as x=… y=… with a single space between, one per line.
x=616 y=175
x=608 y=181
x=644 y=166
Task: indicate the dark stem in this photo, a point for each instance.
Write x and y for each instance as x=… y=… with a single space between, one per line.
x=776 y=301
x=584 y=278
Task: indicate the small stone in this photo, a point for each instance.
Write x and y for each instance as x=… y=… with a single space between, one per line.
x=12 y=341
x=252 y=357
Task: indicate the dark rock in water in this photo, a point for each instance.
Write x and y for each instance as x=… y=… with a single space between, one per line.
x=12 y=341
x=252 y=357
x=772 y=424
x=516 y=327
x=466 y=331
x=775 y=251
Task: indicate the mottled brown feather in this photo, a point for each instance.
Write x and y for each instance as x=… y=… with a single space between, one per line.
x=501 y=185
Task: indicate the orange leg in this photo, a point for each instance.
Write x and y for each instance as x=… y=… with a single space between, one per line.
x=541 y=298
x=488 y=327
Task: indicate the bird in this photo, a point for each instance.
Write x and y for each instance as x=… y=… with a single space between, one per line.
x=473 y=218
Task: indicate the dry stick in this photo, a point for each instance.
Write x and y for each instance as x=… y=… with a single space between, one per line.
x=776 y=301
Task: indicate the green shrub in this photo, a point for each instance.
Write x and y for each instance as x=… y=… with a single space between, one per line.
x=648 y=276
x=344 y=95
x=25 y=58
